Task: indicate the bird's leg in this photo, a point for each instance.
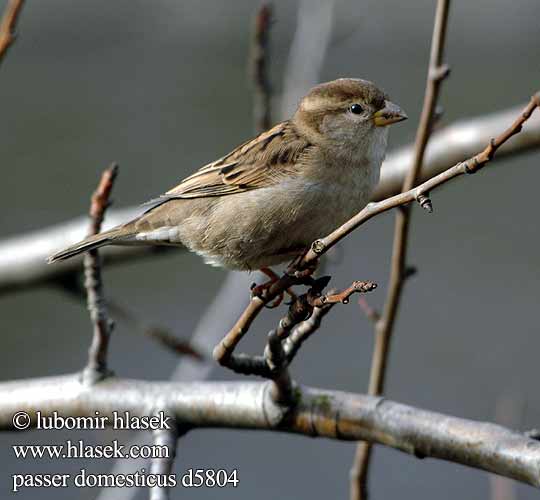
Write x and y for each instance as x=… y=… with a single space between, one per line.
x=258 y=290
x=304 y=273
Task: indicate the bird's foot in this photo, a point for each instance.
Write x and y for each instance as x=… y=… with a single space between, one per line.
x=303 y=273
x=260 y=290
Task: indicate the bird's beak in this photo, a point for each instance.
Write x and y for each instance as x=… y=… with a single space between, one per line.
x=391 y=113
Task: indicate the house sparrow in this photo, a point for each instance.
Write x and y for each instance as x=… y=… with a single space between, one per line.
x=270 y=198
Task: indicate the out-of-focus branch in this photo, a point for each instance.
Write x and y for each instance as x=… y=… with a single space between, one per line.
x=7 y=25
x=384 y=326
x=319 y=413
x=22 y=258
x=262 y=116
x=223 y=310
x=308 y=49
x=163 y=466
x=96 y=367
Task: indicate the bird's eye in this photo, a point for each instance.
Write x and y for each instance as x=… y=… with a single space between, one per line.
x=356 y=109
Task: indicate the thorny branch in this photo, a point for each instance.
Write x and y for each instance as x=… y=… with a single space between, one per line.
x=437 y=72
x=7 y=25
x=102 y=325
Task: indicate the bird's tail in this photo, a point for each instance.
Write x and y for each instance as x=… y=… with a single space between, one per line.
x=87 y=244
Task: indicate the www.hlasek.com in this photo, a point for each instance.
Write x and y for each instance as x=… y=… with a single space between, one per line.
x=191 y=478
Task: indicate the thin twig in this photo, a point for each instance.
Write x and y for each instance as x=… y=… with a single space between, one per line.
x=178 y=346
x=304 y=330
x=437 y=72
x=259 y=67
x=7 y=25
x=371 y=313
x=96 y=367
x=284 y=341
x=299 y=310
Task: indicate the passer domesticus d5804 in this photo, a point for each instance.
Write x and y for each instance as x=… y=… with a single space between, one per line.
x=270 y=198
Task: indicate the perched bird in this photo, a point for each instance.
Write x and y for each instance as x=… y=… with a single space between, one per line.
x=271 y=197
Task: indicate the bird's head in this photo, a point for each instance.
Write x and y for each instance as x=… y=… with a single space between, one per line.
x=346 y=112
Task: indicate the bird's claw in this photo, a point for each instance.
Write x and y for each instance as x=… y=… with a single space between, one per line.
x=260 y=290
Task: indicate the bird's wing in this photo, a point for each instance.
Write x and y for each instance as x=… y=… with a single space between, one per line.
x=260 y=162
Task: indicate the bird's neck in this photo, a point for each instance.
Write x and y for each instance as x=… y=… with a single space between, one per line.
x=366 y=152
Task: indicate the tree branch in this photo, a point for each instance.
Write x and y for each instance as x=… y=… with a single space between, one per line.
x=163 y=466
x=284 y=342
x=437 y=72
x=7 y=25
x=96 y=367
x=319 y=413
x=262 y=116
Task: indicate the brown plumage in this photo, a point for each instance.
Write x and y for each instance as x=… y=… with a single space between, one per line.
x=268 y=199
x=259 y=162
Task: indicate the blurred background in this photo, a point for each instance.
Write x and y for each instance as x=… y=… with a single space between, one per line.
x=162 y=88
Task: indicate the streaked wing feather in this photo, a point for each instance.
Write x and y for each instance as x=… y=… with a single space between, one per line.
x=257 y=163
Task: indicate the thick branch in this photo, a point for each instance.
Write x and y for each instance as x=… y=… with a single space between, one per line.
x=262 y=116
x=225 y=348
x=319 y=413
